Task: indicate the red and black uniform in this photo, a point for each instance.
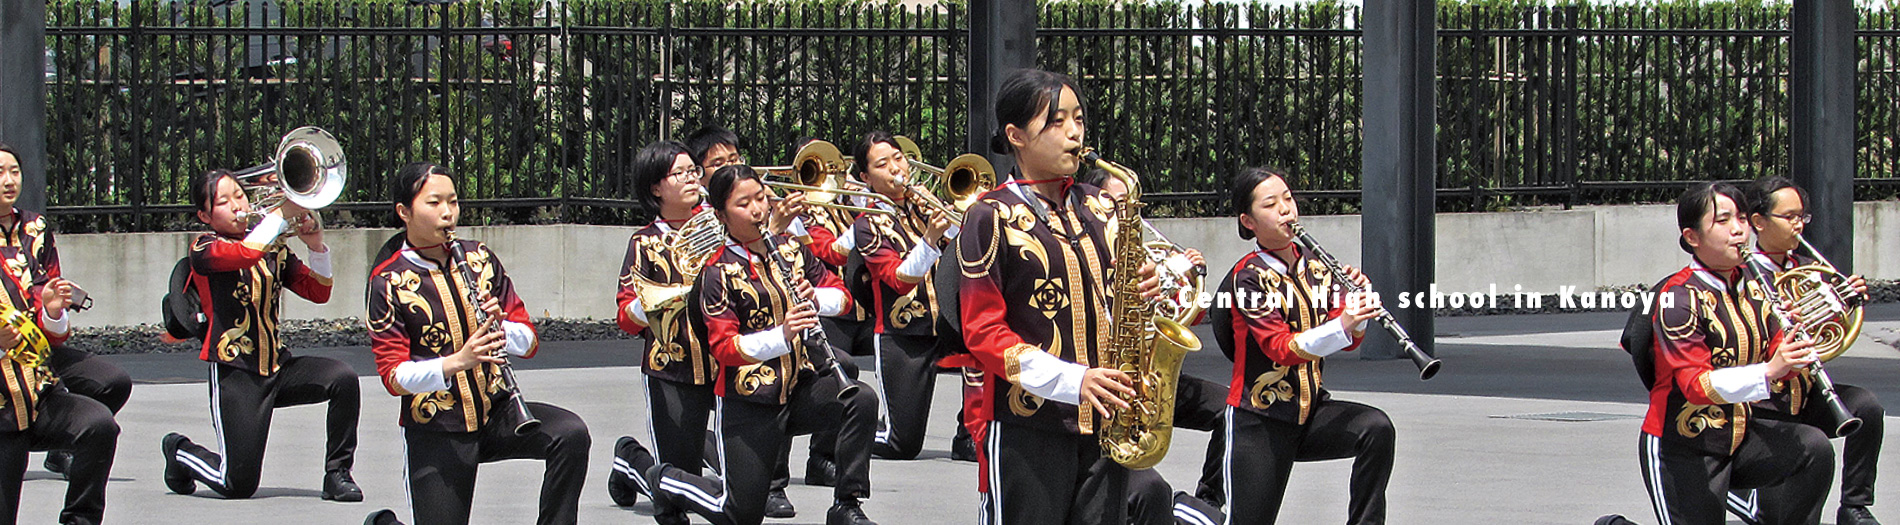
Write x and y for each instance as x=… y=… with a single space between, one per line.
x=770 y=387
x=28 y=251
x=679 y=368
x=1035 y=310
x=420 y=312
x=1285 y=322
x=38 y=413
x=241 y=284
x=1713 y=334
x=1797 y=399
x=899 y=262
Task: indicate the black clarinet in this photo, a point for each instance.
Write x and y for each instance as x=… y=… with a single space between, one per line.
x=1427 y=365
x=517 y=404
x=1844 y=421
x=814 y=337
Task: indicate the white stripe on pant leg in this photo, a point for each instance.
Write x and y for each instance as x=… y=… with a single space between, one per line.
x=1653 y=456
x=693 y=492
x=995 y=439
x=217 y=423
x=1191 y=515
x=408 y=491
x=884 y=392
x=653 y=432
x=1227 y=464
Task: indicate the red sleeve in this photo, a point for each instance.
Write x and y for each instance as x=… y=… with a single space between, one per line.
x=985 y=328
x=213 y=254
x=305 y=283
x=512 y=309
x=821 y=277
x=1682 y=352
x=881 y=257
x=388 y=338
x=1265 y=326
x=629 y=270
x=821 y=241
x=722 y=323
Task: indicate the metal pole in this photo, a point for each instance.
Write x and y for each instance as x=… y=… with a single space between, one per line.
x=1002 y=38
x=1822 y=93
x=1399 y=165
x=23 y=95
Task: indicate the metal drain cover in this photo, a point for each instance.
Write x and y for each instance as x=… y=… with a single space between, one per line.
x=1573 y=417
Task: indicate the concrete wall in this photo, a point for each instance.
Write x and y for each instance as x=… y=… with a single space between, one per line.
x=571 y=270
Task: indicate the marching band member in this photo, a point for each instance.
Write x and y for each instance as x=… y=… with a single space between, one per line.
x=1279 y=412
x=431 y=352
x=827 y=233
x=900 y=251
x=39 y=411
x=1778 y=214
x=770 y=383
x=1718 y=350
x=28 y=250
x=240 y=279
x=678 y=369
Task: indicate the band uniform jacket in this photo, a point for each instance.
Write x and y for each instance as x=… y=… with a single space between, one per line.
x=241 y=286
x=822 y=228
x=741 y=293
x=24 y=384
x=29 y=251
x=675 y=348
x=422 y=311
x=1030 y=288
x=1712 y=321
x=1273 y=303
x=903 y=307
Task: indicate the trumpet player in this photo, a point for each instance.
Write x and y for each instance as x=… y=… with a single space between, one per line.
x=240 y=277
x=1778 y=214
x=899 y=252
x=1279 y=413
x=432 y=352
x=827 y=231
x=1717 y=350
x=29 y=251
x=760 y=299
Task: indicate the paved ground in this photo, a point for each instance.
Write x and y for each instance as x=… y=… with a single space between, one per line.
x=1459 y=461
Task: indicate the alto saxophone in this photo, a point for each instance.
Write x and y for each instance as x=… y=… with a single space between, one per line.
x=1147 y=347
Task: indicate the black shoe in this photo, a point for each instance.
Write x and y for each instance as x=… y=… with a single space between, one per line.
x=176 y=477
x=382 y=517
x=58 y=461
x=962 y=448
x=779 y=506
x=1614 y=519
x=1855 y=515
x=620 y=485
x=339 y=486
x=846 y=512
x=821 y=471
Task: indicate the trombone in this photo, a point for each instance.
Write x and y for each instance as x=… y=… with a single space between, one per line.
x=818 y=169
x=963 y=180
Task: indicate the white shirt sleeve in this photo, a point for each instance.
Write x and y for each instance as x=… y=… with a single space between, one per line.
x=764 y=344
x=921 y=260
x=1324 y=340
x=797 y=228
x=846 y=242
x=830 y=301
x=638 y=311
x=1051 y=378
x=1741 y=384
x=520 y=338
x=952 y=232
x=421 y=376
x=319 y=263
x=59 y=325
x=266 y=231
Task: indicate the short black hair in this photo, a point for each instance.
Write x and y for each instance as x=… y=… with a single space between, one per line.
x=1761 y=194
x=1094 y=177
x=719 y=186
x=651 y=166
x=861 y=153
x=201 y=188
x=703 y=139
x=1023 y=95
x=408 y=182
x=1241 y=192
x=8 y=149
x=1699 y=200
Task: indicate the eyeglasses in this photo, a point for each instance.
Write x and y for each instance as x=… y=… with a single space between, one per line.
x=1797 y=219
x=720 y=162
x=692 y=173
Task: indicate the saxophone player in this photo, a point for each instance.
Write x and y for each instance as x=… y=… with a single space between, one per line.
x=432 y=352
x=1778 y=214
x=1278 y=411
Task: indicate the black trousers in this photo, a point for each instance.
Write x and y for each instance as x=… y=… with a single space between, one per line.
x=1045 y=477
x=1792 y=460
x=1151 y=501
x=751 y=434
x=1261 y=452
x=848 y=338
x=1860 y=454
x=66 y=422
x=1201 y=405
x=679 y=412
x=91 y=377
x=441 y=465
x=241 y=405
x=907 y=369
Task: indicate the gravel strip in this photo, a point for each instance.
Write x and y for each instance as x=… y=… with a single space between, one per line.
x=310 y=333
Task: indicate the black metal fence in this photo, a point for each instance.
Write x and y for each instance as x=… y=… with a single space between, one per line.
x=540 y=105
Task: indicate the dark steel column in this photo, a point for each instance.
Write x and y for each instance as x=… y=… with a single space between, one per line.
x=1399 y=167
x=1822 y=93
x=1002 y=38
x=23 y=94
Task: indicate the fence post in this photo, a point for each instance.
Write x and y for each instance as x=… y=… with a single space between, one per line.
x=1567 y=144
x=1822 y=93
x=1399 y=164
x=23 y=94
x=1002 y=37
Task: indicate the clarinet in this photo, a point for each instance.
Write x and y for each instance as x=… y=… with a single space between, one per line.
x=1845 y=422
x=517 y=404
x=1427 y=365
x=814 y=337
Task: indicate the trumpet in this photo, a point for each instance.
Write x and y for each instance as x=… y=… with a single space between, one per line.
x=818 y=169
x=308 y=170
x=1427 y=365
x=967 y=177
